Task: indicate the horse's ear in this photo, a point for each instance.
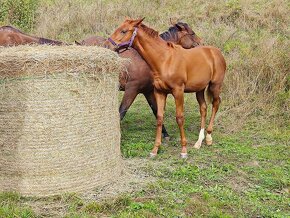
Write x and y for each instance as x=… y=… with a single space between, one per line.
x=128 y=18
x=138 y=22
x=173 y=22
x=77 y=43
x=179 y=27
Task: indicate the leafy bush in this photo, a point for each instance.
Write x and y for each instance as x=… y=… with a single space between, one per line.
x=20 y=13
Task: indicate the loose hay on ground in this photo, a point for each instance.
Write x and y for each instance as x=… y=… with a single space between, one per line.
x=59 y=120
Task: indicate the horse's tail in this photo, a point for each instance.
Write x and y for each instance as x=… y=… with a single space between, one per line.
x=208 y=94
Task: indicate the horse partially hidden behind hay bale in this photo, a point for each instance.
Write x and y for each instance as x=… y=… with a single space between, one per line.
x=59 y=120
x=10 y=36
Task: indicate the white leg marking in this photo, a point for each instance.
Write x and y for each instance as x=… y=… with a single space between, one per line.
x=183 y=155
x=201 y=135
x=200 y=139
x=152 y=155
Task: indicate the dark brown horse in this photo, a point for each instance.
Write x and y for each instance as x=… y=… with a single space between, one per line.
x=10 y=36
x=176 y=70
x=139 y=78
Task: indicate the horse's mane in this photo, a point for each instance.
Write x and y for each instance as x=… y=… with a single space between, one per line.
x=171 y=33
x=149 y=31
x=49 y=41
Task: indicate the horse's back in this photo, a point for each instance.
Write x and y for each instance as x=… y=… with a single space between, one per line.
x=93 y=41
x=205 y=50
x=204 y=55
x=204 y=64
x=9 y=28
x=217 y=61
x=10 y=36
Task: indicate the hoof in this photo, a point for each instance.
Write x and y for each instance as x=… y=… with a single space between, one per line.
x=208 y=139
x=197 y=145
x=152 y=155
x=208 y=142
x=183 y=155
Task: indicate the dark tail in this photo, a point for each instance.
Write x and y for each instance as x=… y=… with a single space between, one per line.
x=208 y=94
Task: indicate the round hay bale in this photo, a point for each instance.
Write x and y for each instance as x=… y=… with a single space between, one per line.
x=59 y=120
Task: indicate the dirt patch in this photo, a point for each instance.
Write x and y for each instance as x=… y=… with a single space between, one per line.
x=253 y=163
x=239 y=182
x=133 y=178
x=197 y=205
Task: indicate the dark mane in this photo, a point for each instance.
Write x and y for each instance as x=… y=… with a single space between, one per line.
x=149 y=31
x=170 y=34
x=49 y=41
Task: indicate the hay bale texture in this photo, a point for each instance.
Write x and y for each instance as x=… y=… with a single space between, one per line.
x=59 y=120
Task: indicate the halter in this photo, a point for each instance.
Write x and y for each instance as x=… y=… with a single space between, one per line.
x=128 y=44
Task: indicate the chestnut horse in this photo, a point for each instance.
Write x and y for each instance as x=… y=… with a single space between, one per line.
x=176 y=70
x=139 y=77
x=10 y=36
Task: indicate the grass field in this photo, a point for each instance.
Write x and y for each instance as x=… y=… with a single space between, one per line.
x=244 y=174
x=246 y=171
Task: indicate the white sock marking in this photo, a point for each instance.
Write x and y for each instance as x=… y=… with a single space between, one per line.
x=201 y=135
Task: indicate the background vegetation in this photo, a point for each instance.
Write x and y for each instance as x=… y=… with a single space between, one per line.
x=246 y=172
x=253 y=35
x=20 y=13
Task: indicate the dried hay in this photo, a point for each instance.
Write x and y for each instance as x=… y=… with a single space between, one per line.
x=59 y=123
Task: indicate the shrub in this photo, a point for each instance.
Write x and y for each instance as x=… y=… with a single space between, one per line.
x=20 y=13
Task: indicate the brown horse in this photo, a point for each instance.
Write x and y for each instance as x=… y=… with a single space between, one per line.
x=10 y=36
x=176 y=70
x=139 y=78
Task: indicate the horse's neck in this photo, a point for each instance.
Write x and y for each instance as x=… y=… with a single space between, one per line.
x=33 y=39
x=153 y=50
x=29 y=39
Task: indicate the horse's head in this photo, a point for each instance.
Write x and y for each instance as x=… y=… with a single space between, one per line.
x=186 y=37
x=124 y=35
x=92 y=41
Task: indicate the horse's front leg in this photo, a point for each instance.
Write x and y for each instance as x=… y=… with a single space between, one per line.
x=161 y=100
x=152 y=103
x=179 y=102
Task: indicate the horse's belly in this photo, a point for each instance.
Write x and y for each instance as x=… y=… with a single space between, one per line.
x=198 y=79
x=195 y=86
x=192 y=89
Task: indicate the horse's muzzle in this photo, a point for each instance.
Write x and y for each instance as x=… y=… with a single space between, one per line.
x=107 y=44
x=198 y=42
x=195 y=44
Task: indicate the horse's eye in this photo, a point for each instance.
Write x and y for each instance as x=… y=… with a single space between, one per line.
x=123 y=31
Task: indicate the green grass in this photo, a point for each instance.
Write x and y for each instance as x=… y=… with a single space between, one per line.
x=244 y=174
x=10 y=206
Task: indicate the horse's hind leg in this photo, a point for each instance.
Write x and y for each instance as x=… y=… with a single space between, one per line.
x=128 y=98
x=214 y=90
x=202 y=109
x=152 y=103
